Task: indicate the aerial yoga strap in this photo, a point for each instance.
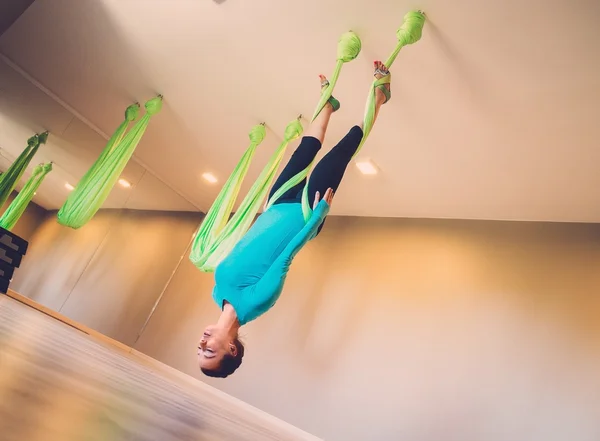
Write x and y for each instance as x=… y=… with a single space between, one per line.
x=10 y=178
x=348 y=48
x=17 y=207
x=409 y=33
x=218 y=234
x=95 y=186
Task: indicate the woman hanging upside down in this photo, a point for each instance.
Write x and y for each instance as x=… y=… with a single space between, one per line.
x=250 y=279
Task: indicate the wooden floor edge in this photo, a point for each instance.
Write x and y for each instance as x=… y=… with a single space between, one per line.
x=182 y=375
x=66 y=320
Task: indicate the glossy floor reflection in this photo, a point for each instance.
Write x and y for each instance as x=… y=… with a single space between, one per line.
x=57 y=383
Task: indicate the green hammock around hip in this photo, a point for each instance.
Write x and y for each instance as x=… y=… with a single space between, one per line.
x=17 y=207
x=10 y=178
x=95 y=186
x=220 y=230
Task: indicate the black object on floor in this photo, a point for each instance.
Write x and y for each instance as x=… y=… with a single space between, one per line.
x=6 y=270
x=12 y=250
x=13 y=241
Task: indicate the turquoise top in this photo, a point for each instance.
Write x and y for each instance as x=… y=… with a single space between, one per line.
x=251 y=277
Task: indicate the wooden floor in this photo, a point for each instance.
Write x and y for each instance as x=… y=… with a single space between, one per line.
x=57 y=383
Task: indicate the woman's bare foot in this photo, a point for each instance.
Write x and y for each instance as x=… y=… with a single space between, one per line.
x=380 y=71
x=333 y=104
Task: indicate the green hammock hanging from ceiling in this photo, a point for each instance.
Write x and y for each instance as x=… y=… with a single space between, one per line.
x=17 y=207
x=95 y=186
x=219 y=233
x=10 y=178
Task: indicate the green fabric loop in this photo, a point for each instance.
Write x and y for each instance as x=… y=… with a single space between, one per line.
x=43 y=137
x=409 y=32
x=349 y=46
x=257 y=134
x=10 y=178
x=293 y=130
x=412 y=29
x=33 y=141
x=220 y=231
x=47 y=168
x=213 y=240
x=95 y=186
x=16 y=209
x=154 y=105
x=132 y=112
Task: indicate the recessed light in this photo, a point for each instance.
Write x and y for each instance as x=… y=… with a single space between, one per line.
x=367 y=167
x=69 y=186
x=209 y=177
x=124 y=183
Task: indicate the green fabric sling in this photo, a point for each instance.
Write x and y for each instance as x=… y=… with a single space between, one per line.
x=17 y=207
x=220 y=231
x=349 y=46
x=95 y=186
x=410 y=32
x=10 y=178
x=218 y=234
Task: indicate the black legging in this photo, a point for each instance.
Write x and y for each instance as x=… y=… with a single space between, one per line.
x=328 y=173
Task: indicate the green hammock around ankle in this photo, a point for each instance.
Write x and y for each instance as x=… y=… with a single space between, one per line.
x=410 y=32
x=17 y=207
x=218 y=234
x=95 y=186
x=10 y=178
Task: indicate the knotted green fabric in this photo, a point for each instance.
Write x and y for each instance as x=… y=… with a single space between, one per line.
x=17 y=207
x=218 y=234
x=349 y=46
x=348 y=49
x=10 y=178
x=95 y=186
x=410 y=32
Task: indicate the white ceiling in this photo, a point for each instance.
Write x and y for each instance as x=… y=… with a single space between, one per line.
x=494 y=114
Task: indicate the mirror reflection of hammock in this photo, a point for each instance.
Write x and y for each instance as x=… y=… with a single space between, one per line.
x=10 y=178
x=220 y=230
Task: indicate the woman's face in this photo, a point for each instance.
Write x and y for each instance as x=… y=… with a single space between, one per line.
x=213 y=345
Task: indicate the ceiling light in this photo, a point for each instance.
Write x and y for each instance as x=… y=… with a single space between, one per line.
x=209 y=177
x=367 y=167
x=124 y=183
x=69 y=186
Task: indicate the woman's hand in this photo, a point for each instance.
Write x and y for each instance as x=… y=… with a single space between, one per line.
x=328 y=198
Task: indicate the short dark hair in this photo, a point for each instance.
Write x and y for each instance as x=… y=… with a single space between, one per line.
x=229 y=363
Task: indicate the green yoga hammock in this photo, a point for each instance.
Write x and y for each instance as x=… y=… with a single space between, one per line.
x=9 y=179
x=17 y=207
x=95 y=186
x=218 y=234
x=410 y=32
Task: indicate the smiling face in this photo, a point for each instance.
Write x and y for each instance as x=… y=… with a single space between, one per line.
x=213 y=346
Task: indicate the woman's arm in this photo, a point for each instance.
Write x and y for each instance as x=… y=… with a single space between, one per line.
x=270 y=286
